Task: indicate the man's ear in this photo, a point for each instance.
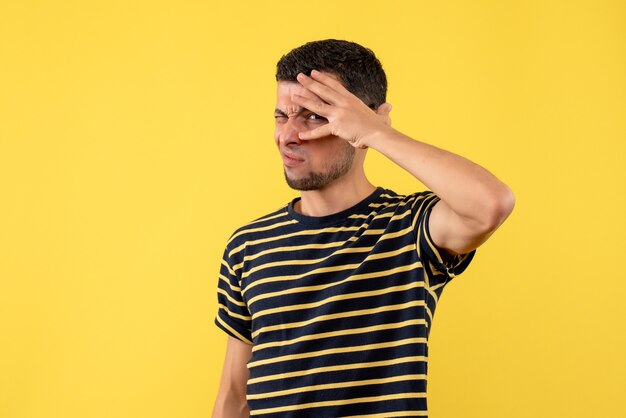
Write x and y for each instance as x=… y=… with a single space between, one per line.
x=383 y=111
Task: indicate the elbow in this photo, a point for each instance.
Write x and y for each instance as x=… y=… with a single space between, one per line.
x=500 y=206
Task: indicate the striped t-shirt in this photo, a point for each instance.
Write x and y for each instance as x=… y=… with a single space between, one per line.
x=338 y=308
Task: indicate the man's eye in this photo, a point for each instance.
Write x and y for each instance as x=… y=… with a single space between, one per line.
x=315 y=117
x=280 y=119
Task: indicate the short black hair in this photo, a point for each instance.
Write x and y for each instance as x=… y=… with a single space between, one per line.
x=356 y=66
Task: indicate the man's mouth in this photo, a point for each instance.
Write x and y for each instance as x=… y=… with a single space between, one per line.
x=291 y=160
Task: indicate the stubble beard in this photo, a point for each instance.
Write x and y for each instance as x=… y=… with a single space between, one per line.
x=319 y=180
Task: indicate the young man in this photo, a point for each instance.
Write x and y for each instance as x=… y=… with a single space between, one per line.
x=328 y=301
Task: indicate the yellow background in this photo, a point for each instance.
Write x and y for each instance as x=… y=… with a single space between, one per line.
x=136 y=136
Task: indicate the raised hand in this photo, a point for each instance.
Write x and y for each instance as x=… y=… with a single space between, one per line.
x=348 y=117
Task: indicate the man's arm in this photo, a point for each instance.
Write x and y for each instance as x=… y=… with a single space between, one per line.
x=231 y=396
x=473 y=204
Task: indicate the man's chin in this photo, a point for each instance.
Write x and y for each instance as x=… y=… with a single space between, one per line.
x=318 y=180
x=303 y=187
x=304 y=184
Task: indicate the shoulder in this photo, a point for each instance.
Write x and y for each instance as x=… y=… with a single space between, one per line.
x=415 y=202
x=258 y=227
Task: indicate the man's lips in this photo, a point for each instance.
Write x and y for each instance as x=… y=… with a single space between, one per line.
x=291 y=160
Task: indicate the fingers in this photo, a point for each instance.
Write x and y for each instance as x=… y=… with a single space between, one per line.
x=326 y=87
x=315 y=106
x=322 y=131
x=329 y=81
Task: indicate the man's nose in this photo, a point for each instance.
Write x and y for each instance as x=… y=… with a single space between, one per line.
x=290 y=130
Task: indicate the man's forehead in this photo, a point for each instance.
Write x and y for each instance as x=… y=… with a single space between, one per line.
x=285 y=91
x=286 y=88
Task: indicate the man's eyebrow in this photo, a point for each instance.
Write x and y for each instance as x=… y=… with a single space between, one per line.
x=281 y=113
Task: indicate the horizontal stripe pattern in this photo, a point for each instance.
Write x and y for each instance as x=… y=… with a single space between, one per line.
x=338 y=308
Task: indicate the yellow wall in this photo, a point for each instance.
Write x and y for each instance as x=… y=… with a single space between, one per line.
x=135 y=136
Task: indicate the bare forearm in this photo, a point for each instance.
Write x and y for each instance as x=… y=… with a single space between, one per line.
x=227 y=406
x=470 y=190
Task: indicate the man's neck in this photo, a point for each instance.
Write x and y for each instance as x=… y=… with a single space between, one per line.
x=336 y=197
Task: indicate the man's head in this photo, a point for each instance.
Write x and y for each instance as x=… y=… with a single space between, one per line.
x=316 y=163
x=354 y=65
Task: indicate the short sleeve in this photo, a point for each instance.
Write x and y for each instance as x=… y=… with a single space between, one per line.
x=233 y=316
x=439 y=271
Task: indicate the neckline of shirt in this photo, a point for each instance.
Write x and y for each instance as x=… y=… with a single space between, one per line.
x=358 y=209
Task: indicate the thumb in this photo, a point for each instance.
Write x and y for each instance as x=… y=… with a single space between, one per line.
x=383 y=111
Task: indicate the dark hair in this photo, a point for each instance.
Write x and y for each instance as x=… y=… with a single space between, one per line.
x=356 y=66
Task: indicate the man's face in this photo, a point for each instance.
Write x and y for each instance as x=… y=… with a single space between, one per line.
x=312 y=164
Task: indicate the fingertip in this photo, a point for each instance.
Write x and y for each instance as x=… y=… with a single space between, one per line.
x=306 y=136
